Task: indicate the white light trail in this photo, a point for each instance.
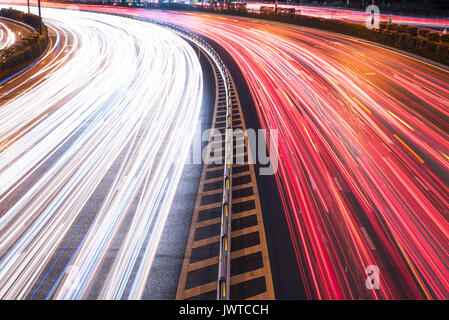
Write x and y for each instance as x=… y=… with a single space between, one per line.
x=114 y=94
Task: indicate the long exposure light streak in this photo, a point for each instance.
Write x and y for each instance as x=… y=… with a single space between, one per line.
x=363 y=147
x=358 y=16
x=320 y=12
x=10 y=33
x=88 y=147
x=364 y=152
x=7 y=36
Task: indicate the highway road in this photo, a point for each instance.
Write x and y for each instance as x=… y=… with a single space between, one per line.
x=7 y=34
x=93 y=139
x=363 y=152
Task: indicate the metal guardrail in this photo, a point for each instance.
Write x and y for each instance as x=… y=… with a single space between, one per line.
x=224 y=277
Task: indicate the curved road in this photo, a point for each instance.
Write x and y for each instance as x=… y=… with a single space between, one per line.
x=93 y=140
x=11 y=32
x=7 y=34
x=363 y=152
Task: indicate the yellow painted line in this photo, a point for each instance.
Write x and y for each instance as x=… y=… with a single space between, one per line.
x=402 y=121
x=409 y=149
x=195 y=291
x=406 y=55
x=445 y=155
x=361 y=104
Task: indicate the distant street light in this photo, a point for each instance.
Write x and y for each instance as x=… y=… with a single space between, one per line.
x=28 y=2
